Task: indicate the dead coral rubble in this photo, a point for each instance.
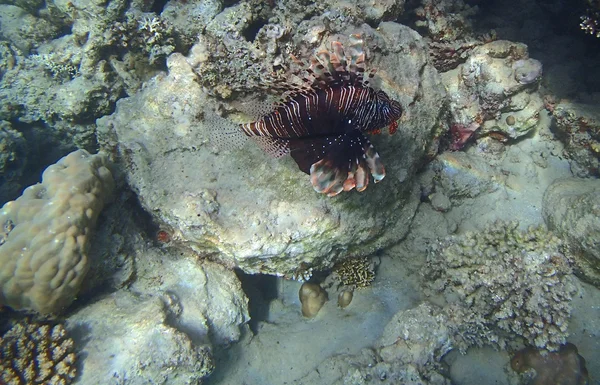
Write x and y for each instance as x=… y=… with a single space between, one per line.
x=34 y=353
x=504 y=282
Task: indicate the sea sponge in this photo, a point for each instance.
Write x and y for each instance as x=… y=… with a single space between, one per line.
x=564 y=367
x=37 y=353
x=313 y=297
x=503 y=282
x=46 y=231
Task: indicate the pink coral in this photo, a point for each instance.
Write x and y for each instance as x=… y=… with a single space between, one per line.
x=460 y=134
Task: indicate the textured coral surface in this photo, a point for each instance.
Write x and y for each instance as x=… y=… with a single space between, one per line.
x=43 y=253
x=36 y=354
x=504 y=281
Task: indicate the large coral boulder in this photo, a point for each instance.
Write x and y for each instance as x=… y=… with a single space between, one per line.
x=261 y=214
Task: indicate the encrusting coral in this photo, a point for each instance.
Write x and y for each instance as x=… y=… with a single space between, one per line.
x=37 y=353
x=43 y=253
x=504 y=282
x=564 y=367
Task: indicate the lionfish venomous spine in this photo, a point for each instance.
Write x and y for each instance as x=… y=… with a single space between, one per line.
x=322 y=121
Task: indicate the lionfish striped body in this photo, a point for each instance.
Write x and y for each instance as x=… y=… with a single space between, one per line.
x=322 y=123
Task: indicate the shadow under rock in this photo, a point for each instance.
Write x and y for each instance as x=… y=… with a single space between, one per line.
x=261 y=289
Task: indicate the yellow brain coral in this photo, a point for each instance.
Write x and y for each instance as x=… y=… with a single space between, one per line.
x=44 y=233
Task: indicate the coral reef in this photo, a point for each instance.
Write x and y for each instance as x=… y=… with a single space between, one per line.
x=165 y=127
x=578 y=127
x=445 y=20
x=590 y=22
x=563 y=367
x=345 y=298
x=36 y=353
x=43 y=257
x=503 y=282
x=571 y=208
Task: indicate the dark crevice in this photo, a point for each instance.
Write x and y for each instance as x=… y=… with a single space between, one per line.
x=252 y=30
x=158 y=6
x=261 y=289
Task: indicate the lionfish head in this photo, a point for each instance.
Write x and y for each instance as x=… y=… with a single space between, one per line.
x=388 y=110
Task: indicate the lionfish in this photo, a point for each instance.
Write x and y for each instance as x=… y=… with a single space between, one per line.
x=322 y=122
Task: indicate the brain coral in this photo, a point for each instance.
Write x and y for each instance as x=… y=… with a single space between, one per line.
x=503 y=282
x=45 y=233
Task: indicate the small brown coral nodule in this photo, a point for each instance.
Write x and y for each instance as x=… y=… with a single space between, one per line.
x=564 y=367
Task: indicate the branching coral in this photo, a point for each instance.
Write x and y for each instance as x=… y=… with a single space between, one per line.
x=32 y=353
x=355 y=272
x=504 y=282
x=147 y=34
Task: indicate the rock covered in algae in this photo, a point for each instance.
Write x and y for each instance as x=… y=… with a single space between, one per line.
x=37 y=353
x=563 y=367
x=189 y=186
x=578 y=127
x=129 y=339
x=498 y=80
x=416 y=336
x=571 y=208
x=407 y=353
x=503 y=282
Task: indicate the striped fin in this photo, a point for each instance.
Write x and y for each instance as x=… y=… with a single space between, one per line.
x=274 y=147
x=338 y=163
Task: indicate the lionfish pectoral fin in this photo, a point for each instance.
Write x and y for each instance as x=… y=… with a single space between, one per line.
x=273 y=146
x=223 y=133
x=374 y=162
x=326 y=178
x=340 y=163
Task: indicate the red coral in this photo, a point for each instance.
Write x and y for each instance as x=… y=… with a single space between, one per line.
x=460 y=134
